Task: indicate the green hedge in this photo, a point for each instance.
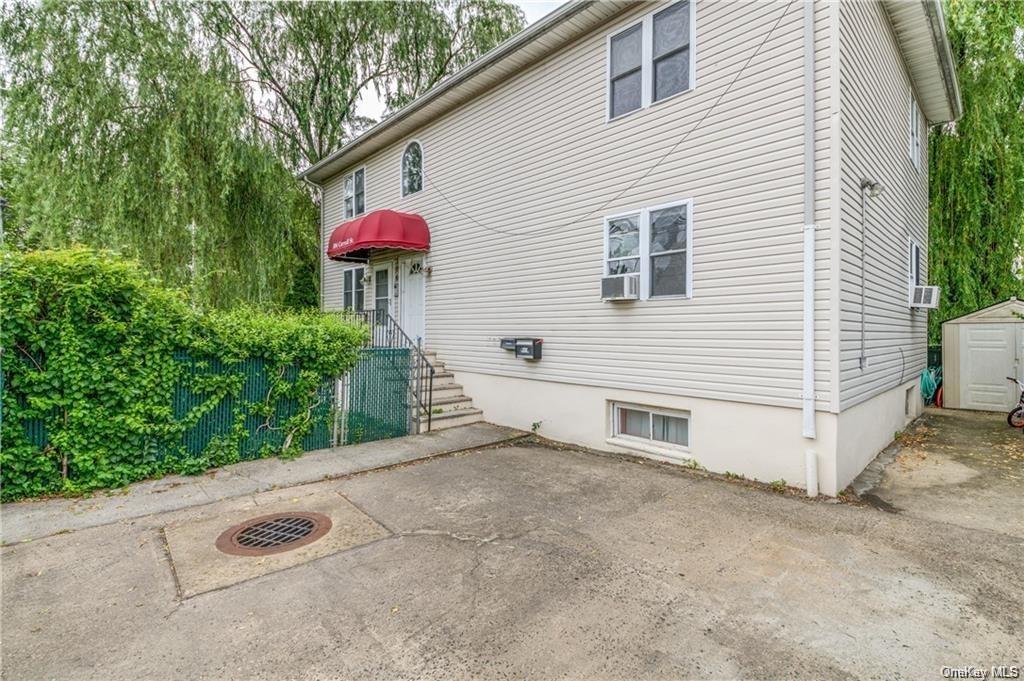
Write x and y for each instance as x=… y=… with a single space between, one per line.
x=96 y=355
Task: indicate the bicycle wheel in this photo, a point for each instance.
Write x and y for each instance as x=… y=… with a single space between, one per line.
x=1016 y=417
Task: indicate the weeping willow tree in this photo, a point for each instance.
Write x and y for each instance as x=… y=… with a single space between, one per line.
x=171 y=131
x=120 y=133
x=976 y=218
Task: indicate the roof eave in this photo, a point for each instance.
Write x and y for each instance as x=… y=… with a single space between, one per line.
x=920 y=30
x=332 y=163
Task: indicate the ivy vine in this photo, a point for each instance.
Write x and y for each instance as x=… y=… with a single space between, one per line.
x=96 y=353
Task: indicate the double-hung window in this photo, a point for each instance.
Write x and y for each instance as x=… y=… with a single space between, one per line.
x=355 y=193
x=654 y=244
x=651 y=60
x=353 y=295
x=915 y=273
x=915 y=133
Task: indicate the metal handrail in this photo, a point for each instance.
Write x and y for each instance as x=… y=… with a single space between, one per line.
x=385 y=332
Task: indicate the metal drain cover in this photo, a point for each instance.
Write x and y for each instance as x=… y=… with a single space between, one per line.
x=273 y=533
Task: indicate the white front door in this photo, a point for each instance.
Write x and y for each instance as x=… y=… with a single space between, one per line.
x=990 y=358
x=412 y=291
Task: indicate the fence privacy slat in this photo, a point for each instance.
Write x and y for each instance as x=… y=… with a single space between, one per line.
x=378 y=400
x=378 y=406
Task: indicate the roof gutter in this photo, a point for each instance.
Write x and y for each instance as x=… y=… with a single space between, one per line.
x=937 y=24
x=528 y=35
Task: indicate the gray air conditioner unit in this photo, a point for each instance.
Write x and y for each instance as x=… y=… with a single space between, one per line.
x=924 y=296
x=620 y=287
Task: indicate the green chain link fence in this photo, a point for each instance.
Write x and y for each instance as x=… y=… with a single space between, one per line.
x=376 y=408
x=378 y=396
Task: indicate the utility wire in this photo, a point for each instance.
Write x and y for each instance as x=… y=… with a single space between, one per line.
x=657 y=163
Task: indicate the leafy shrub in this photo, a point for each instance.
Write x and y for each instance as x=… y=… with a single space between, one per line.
x=92 y=358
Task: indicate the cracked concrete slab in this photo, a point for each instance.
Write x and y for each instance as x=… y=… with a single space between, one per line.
x=200 y=567
x=953 y=466
x=529 y=562
x=33 y=519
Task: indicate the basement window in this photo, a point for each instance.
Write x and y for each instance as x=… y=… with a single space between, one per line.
x=651 y=426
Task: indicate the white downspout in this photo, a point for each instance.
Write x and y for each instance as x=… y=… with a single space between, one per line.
x=807 y=397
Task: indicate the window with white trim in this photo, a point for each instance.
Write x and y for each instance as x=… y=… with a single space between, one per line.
x=915 y=133
x=915 y=271
x=651 y=60
x=353 y=295
x=651 y=426
x=654 y=244
x=355 y=193
x=412 y=168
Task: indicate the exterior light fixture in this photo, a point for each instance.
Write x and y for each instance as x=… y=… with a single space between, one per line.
x=871 y=187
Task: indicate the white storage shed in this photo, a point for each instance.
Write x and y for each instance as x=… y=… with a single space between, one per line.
x=979 y=351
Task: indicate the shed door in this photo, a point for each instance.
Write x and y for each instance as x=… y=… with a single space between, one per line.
x=988 y=356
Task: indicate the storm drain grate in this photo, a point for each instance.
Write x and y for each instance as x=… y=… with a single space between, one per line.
x=273 y=533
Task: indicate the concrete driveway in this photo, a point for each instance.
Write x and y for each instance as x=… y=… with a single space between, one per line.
x=522 y=561
x=953 y=466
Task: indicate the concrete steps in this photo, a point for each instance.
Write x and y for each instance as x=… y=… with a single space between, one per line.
x=450 y=406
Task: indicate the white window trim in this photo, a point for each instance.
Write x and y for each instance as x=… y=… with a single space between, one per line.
x=353 y=269
x=345 y=180
x=915 y=132
x=911 y=278
x=401 y=169
x=389 y=267
x=647 y=61
x=668 y=450
x=644 y=215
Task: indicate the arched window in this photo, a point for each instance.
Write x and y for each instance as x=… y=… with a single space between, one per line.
x=412 y=169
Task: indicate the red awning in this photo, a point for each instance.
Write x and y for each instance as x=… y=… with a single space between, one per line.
x=353 y=240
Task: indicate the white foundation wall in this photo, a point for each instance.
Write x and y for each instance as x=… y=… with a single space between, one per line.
x=758 y=441
x=867 y=428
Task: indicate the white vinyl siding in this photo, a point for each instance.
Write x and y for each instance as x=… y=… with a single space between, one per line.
x=529 y=169
x=874 y=128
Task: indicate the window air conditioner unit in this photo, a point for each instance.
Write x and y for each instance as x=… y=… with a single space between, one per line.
x=924 y=297
x=620 y=287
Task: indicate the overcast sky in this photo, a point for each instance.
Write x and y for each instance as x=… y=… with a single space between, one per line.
x=370 y=106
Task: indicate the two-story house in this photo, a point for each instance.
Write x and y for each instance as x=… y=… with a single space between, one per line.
x=713 y=213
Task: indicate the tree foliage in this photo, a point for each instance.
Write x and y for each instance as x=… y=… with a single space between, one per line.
x=308 y=64
x=976 y=218
x=170 y=131
x=96 y=354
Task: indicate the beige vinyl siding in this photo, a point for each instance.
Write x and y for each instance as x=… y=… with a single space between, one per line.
x=532 y=167
x=875 y=129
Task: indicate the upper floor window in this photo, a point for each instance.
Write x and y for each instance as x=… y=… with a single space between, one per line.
x=412 y=169
x=653 y=243
x=651 y=60
x=355 y=193
x=915 y=133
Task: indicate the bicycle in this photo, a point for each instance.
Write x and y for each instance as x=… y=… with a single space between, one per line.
x=1016 y=416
